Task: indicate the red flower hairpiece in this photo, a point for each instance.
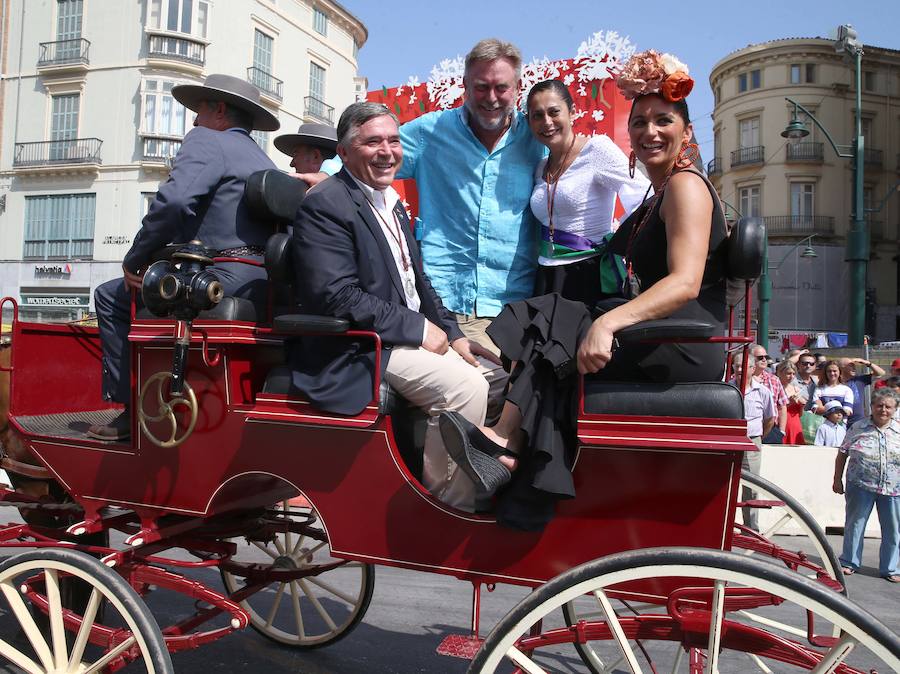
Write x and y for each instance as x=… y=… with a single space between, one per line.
x=649 y=72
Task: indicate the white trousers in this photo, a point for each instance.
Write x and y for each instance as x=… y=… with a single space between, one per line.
x=437 y=383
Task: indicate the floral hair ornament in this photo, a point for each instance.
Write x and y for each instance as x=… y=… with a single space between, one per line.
x=649 y=72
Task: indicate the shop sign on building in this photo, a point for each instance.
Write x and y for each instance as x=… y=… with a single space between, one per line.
x=60 y=300
x=58 y=270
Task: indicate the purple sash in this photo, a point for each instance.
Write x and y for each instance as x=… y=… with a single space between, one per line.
x=568 y=239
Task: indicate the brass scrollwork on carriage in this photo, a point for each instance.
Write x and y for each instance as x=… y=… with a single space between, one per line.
x=167 y=405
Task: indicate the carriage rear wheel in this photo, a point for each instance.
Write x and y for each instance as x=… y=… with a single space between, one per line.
x=318 y=606
x=681 y=610
x=790 y=513
x=111 y=628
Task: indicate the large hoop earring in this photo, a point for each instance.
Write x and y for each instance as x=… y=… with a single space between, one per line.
x=632 y=162
x=688 y=155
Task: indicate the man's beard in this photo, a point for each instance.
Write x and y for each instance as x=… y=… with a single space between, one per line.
x=486 y=125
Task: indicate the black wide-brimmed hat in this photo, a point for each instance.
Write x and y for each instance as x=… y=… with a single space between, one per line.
x=231 y=90
x=315 y=135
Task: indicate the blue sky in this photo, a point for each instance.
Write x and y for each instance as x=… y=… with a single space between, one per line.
x=408 y=37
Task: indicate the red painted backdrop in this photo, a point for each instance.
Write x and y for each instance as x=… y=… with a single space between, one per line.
x=599 y=107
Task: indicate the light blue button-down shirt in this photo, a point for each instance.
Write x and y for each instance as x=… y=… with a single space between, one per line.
x=479 y=237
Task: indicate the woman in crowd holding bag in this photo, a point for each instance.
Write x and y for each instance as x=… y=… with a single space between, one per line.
x=675 y=255
x=574 y=199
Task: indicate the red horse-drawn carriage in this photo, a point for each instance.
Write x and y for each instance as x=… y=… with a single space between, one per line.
x=229 y=469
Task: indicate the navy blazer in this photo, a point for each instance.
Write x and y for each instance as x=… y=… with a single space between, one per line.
x=203 y=198
x=344 y=268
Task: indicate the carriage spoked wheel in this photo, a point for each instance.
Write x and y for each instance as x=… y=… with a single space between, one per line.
x=680 y=612
x=44 y=631
x=790 y=513
x=316 y=607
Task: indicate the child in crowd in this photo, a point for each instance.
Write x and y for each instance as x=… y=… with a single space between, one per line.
x=832 y=431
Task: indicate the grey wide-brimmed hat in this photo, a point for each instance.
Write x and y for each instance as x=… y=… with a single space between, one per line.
x=316 y=135
x=231 y=90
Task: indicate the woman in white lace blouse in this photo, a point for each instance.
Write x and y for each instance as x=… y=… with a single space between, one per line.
x=574 y=197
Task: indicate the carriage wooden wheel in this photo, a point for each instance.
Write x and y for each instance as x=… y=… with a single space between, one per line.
x=694 y=626
x=113 y=629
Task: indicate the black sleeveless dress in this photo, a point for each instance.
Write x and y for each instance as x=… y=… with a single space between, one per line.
x=541 y=335
x=674 y=362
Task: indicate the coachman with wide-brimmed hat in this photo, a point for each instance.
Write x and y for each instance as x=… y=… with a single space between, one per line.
x=203 y=198
x=238 y=95
x=309 y=147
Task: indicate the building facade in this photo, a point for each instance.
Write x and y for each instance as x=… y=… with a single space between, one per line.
x=804 y=189
x=89 y=125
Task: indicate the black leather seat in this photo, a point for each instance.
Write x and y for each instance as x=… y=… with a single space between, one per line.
x=714 y=400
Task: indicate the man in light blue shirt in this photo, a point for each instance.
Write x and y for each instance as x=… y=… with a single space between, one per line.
x=474 y=170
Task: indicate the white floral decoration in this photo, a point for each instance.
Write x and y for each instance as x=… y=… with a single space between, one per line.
x=538 y=71
x=597 y=115
x=597 y=56
x=600 y=53
x=445 y=84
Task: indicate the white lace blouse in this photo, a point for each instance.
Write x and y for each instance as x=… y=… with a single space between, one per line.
x=586 y=193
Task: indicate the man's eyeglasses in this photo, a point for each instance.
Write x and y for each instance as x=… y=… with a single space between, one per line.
x=808 y=363
x=763 y=357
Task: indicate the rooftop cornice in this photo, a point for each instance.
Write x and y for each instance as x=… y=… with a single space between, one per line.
x=799 y=47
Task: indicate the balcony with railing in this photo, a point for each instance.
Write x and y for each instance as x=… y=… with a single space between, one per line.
x=269 y=86
x=58 y=154
x=714 y=166
x=64 y=55
x=313 y=107
x=746 y=156
x=799 y=225
x=805 y=151
x=873 y=157
x=183 y=52
x=159 y=151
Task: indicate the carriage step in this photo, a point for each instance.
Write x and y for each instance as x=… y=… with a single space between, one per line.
x=463 y=646
x=70 y=425
x=759 y=503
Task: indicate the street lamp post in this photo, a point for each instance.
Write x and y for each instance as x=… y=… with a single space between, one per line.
x=857 y=238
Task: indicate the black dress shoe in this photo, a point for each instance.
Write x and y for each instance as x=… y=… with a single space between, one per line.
x=474 y=453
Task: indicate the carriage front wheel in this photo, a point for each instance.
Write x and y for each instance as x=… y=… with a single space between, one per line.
x=682 y=610
x=48 y=593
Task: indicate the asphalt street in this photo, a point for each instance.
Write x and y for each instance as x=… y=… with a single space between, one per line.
x=412 y=612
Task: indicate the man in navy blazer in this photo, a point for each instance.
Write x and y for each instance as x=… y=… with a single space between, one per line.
x=201 y=199
x=355 y=258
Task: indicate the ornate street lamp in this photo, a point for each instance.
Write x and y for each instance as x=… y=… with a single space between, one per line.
x=857 y=237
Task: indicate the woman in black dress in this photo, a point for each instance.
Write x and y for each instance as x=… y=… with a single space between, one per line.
x=675 y=256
